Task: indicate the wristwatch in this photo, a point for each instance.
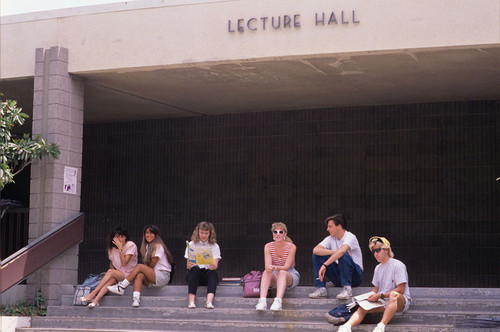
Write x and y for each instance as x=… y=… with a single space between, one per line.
x=382 y=296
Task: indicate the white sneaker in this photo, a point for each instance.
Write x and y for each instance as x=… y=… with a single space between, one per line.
x=319 y=292
x=191 y=305
x=276 y=306
x=135 y=301
x=345 y=294
x=262 y=304
x=117 y=289
x=209 y=305
x=379 y=328
x=344 y=328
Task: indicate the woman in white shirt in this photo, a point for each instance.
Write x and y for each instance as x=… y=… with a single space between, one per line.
x=155 y=272
x=204 y=244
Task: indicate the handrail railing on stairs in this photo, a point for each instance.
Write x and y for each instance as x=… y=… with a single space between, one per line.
x=35 y=255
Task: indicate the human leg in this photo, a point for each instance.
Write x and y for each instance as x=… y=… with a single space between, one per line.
x=283 y=279
x=358 y=316
x=212 y=281
x=396 y=304
x=268 y=280
x=320 y=285
x=317 y=263
x=350 y=275
x=110 y=274
x=193 y=280
x=148 y=272
x=103 y=291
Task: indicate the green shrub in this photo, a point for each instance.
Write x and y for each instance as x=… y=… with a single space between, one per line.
x=23 y=308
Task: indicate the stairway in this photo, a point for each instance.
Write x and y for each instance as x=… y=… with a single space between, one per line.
x=165 y=309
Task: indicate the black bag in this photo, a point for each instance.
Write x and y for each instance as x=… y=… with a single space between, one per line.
x=342 y=311
x=88 y=286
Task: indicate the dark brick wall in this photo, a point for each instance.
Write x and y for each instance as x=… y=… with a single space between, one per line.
x=421 y=175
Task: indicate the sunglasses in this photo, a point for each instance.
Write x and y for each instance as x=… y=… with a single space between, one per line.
x=279 y=232
x=376 y=250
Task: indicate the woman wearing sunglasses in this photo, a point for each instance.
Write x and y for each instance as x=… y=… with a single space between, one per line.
x=391 y=286
x=279 y=257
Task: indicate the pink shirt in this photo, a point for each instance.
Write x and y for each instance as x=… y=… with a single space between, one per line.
x=128 y=249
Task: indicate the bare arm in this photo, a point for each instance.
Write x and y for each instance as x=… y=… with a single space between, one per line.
x=399 y=288
x=337 y=254
x=267 y=257
x=153 y=262
x=322 y=251
x=215 y=264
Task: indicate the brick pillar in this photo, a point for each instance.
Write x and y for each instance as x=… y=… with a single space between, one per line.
x=57 y=116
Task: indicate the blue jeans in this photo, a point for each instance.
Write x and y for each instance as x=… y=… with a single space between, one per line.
x=345 y=273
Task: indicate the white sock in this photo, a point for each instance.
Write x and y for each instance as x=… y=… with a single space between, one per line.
x=382 y=325
x=262 y=299
x=125 y=283
x=136 y=295
x=348 y=288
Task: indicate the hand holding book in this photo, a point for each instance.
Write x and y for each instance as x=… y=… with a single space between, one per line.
x=362 y=301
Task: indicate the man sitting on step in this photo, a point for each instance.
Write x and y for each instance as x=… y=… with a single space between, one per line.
x=391 y=286
x=339 y=257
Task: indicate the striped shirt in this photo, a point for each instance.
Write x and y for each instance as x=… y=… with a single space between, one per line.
x=280 y=261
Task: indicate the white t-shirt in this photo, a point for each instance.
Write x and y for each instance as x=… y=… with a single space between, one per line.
x=214 y=248
x=332 y=243
x=387 y=276
x=162 y=264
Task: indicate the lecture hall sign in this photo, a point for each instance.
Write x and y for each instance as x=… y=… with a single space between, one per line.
x=262 y=23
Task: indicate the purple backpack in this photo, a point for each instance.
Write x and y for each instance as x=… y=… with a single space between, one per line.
x=251 y=284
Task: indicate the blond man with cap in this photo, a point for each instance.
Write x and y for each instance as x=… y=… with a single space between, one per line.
x=391 y=285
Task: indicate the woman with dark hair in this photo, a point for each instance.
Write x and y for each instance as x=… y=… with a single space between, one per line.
x=155 y=272
x=122 y=255
x=279 y=258
x=203 y=241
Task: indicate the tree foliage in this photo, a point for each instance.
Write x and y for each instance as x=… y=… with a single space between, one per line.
x=18 y=152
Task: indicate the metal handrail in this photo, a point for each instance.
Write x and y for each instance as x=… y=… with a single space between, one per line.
x=35 y=255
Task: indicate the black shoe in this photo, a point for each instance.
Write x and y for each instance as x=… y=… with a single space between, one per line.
x=334 y=320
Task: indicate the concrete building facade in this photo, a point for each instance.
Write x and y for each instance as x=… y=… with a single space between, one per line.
x=248 y=112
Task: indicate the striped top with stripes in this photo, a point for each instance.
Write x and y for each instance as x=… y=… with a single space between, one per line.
x=280 y=261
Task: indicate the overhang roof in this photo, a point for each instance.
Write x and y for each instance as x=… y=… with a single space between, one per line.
x=277 y=84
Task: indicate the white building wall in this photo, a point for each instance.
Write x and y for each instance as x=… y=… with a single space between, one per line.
x=180 y=33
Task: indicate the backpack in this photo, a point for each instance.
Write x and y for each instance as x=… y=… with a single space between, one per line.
x=251 y=284
x=342 y=311
x=87 y=287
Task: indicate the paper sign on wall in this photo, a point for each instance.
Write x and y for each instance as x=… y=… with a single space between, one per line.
x=70 y=176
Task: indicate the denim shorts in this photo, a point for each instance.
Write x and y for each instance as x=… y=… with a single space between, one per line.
x=295 y=276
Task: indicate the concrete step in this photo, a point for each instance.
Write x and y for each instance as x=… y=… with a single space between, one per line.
x=487 y=305
x=304 y=291
x=165 y=309
x=237 y=314
x=109 y=324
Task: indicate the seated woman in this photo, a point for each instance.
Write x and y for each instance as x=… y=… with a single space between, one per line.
x=279 y=257
x=122 y=255
x=155 y=272
x=391 y=285
x=202 y=240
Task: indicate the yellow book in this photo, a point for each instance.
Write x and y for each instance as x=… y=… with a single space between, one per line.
x=199 y=256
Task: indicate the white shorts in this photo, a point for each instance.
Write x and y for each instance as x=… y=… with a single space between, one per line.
x=407 y=304
x=295 y=277
x=162 y=278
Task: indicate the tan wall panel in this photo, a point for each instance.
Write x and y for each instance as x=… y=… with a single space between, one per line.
x=192 y=33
